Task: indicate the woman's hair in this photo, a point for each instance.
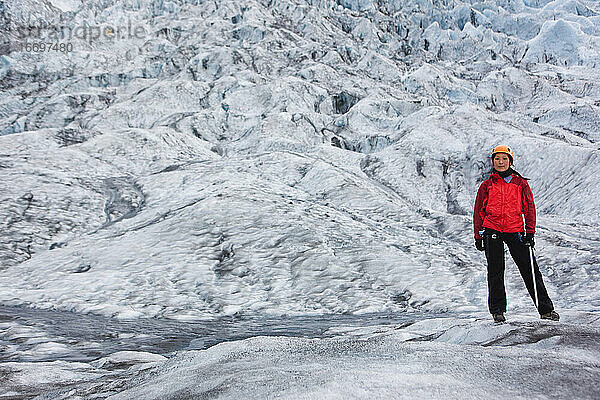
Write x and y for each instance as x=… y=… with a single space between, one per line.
x=514 y=171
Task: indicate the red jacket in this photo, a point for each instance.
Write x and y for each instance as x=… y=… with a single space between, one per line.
x=501 y=205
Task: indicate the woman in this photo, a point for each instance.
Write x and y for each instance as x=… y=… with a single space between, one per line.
x=502 y=201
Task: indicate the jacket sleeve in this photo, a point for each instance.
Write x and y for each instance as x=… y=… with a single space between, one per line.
x=479 y=211
x=528 y=207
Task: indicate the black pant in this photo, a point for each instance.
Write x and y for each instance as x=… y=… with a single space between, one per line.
x=494 y=252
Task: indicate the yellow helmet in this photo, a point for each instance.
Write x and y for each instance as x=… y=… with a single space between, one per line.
x=503 y=149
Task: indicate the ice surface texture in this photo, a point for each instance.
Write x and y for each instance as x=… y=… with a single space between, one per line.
x=449 y=358
x=292 y=157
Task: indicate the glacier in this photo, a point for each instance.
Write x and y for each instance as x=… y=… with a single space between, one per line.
x=202 y=160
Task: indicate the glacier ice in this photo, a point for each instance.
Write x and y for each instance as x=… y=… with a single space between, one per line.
x=290 y=157
x=351 y=140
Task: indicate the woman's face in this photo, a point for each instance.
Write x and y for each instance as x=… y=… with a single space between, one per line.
x=501 y=162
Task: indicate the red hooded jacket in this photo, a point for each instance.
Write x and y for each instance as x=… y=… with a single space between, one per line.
x=501 y=204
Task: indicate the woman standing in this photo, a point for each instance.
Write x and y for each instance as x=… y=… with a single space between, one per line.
x=502 y=202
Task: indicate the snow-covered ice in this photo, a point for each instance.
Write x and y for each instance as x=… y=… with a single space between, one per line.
x=464 y=360
x=445 y=357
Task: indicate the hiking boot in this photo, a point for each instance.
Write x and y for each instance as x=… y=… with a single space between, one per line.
x=499 y=318
x=552 y=315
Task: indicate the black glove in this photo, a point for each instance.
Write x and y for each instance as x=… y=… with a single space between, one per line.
x=479 y=244
x=528 y=240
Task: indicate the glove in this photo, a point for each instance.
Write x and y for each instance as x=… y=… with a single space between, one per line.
x=528 y=240
x=479 y=244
